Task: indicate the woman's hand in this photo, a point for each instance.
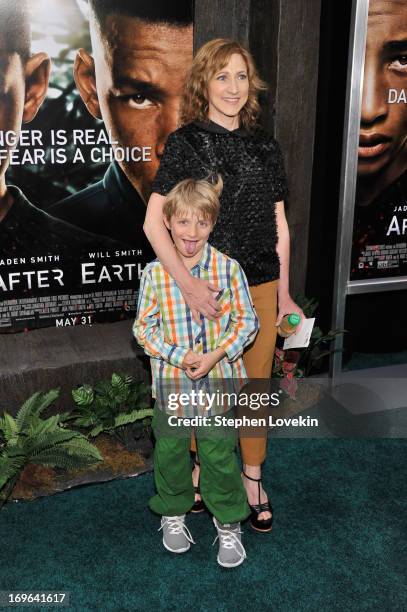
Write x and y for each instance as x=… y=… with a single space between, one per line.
x=200 y=297
x=286 y=305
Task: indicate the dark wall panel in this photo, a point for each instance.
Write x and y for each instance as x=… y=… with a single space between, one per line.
x=296 y=96
x=263 y=43
x=221 y=19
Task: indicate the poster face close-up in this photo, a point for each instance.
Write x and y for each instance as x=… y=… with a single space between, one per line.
x=83 y=124
x=380 y=222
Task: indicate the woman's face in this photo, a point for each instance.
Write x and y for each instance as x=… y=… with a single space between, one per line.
x=228 y=90
x=383 y=129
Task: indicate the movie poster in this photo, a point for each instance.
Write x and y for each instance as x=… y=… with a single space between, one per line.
x=380 y=221
x=90 y=91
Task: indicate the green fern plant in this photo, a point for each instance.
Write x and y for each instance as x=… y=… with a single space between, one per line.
x=119 y=406
x=29 y=438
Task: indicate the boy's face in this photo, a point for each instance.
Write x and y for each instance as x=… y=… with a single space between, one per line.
x=134 y=83
x=383 y=130
x=190 y=233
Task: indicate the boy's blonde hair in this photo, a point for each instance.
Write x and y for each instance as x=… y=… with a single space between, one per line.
x=199 y=196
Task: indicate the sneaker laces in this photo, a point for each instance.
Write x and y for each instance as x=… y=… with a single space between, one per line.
x=228 y=539
x=176 y=526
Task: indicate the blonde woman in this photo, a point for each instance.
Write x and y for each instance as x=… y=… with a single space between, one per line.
x=220 y=134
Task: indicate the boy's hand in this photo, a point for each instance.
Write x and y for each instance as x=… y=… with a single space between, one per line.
x=191 y=360
x=208 y=361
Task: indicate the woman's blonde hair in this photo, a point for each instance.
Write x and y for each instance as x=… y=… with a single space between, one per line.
x=210 y=59
x=198 y=196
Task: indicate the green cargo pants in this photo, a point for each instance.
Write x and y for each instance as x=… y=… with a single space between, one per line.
x=221 y=485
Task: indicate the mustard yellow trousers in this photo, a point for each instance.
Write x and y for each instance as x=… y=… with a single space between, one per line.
x=258 y=361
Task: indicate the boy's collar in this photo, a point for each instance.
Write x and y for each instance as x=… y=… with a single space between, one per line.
x=206 y=258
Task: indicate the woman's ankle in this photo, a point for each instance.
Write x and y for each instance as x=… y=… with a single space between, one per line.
x=253 y=471
x=195 y=474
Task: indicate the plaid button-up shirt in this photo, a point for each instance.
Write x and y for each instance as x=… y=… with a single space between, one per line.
x=166 y=329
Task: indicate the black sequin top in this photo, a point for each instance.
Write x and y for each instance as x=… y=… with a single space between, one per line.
x=252 y=169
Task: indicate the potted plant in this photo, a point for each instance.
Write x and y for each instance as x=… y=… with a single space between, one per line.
x=119 y=407
x=31 y=439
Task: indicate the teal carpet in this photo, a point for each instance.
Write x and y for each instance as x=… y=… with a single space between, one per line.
x=338 y=543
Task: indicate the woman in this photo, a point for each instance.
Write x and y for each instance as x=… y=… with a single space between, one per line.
x=219 y=134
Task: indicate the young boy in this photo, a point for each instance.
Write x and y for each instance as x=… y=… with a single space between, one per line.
x=185 y=352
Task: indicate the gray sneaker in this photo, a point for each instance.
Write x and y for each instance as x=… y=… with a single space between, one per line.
x=176 y=535
x=231 y=550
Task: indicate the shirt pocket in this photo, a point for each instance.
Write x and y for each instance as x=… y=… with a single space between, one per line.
x=224 y=299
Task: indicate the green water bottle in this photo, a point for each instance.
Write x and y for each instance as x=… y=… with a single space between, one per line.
x=288 y=325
